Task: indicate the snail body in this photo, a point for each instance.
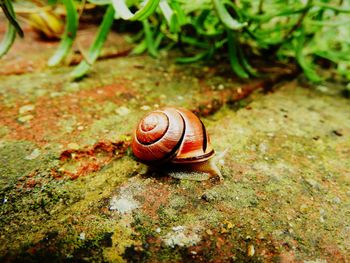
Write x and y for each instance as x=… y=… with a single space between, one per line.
x=174 y=136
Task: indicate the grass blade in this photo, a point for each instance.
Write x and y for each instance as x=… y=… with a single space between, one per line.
x=307 y=68
x=97 y=45
x=201 y=25
x=335 y=56
x=226 y=18
x=12 y=28
x=167 y=11
x=9 y=12
x=8 y=39
x=140 y=48
x=233 y=55
x=331 y=7
x=123 y=10
x=194 y=42
x=69 y=34
x=179 y=13
x=151 y=47
x=245 y=62
x=198 y=57
x=175 y=19
x=100 y=2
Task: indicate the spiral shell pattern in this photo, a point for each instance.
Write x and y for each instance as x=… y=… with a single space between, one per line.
x=171 y=134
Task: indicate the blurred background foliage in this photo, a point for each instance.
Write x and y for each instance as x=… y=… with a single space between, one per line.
x=313 y=34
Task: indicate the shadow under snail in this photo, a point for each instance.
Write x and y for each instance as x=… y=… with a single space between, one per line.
x=175 y=139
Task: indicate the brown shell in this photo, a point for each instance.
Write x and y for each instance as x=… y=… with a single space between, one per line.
x=171 y=134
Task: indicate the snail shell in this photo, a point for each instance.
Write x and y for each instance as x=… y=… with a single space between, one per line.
x=173 y=135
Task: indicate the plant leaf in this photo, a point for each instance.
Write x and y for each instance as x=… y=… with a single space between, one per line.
x=245 y=62
x=69 y=34
x=140 y=48
x=198 y=57
x=166 y=10
x=233 y=55
x=226 y=18
x=124 y=12
x=307 y=68
x=12 y=27
x=8 y=39
x=9 y=12
x=97 y=45
x=151 y=47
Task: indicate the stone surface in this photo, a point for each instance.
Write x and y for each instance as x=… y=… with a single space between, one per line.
x=77 y=194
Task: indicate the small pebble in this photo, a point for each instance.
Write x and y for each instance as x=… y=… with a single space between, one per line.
x=123 y=205
x=26 y=108
x=209 y=232
x=314 y=184
x=178 y=228
x=145 y=108
x=303 y=208
x=122 y=111
x=74 y=85
x=73 y=146
x=82 y=236
x=263 y=148
x=56 y=94
x=34 y=154
x=336 y=200
x=322 y=88
x=338 y=133
x=25 y=118
x=251 y=251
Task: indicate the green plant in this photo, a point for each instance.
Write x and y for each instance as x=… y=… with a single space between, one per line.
x=304 y=31
x=12 y=28
x=69 y=34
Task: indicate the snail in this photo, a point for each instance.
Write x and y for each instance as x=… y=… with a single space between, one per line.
x=175 y=138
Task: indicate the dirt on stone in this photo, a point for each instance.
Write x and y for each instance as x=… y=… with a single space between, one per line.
x=71 y=190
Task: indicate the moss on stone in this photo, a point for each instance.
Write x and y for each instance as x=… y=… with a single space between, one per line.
x=285 y=191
